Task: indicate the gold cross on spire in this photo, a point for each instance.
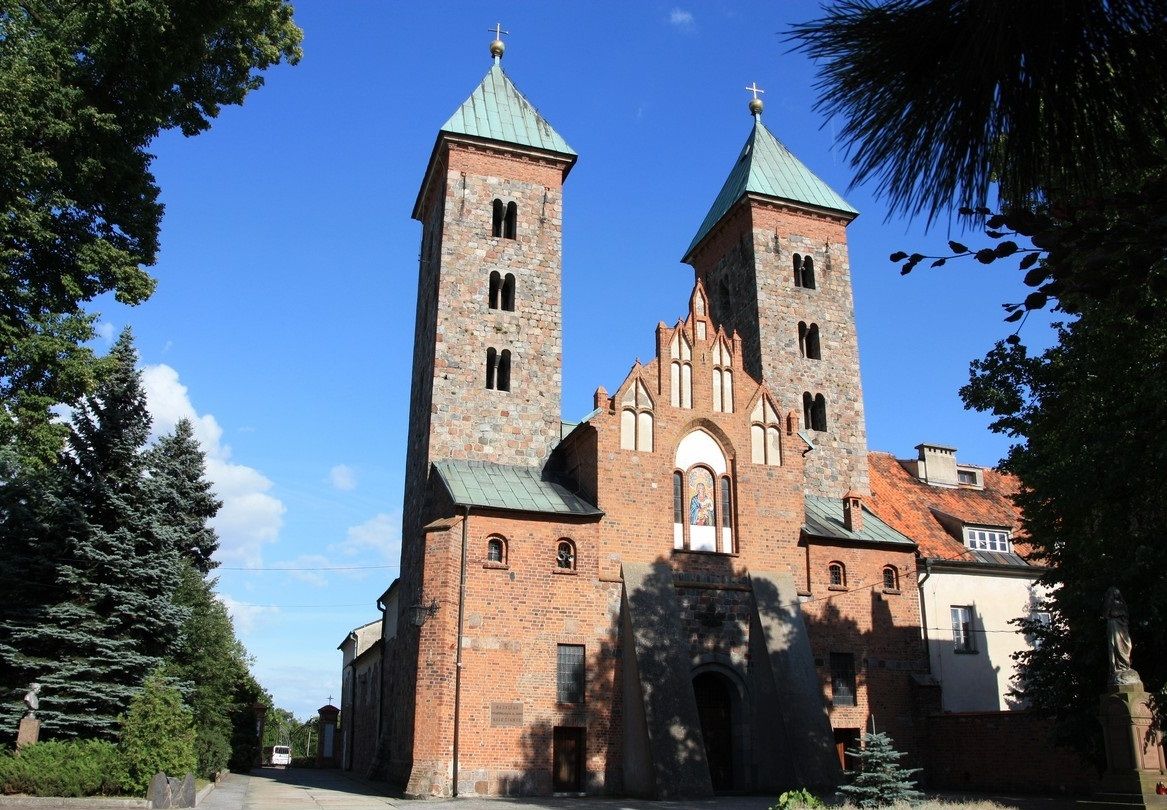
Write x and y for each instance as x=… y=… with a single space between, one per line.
x=497 y=47
x=755 y=102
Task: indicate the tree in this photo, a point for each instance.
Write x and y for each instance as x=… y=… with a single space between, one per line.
x=157 y=735
x=880 y=781
x=1090 y=417
x=84 y=88
x=941 y=99
x=184 y=497
x=108 y=617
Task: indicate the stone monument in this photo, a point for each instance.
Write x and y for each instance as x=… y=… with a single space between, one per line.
x=30 y=725
x=1134 y=753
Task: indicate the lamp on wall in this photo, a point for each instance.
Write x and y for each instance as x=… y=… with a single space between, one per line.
x=419 y=613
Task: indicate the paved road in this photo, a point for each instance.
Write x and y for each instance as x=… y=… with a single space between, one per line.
x=310 y=789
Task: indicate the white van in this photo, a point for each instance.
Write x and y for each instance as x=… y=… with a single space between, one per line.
x=281 y=756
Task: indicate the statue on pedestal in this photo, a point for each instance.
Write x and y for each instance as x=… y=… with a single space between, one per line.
x=1118 y=635
x=31 y=701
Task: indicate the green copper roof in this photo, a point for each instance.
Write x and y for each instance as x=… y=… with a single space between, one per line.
x=824 y=518
x=767 y=168
x=498 y=111
x=502 y=486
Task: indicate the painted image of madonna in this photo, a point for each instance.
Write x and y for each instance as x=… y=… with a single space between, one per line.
x=701 y=502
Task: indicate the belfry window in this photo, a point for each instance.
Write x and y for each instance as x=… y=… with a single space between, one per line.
x=722 y=377
x=498 y=369
x=501 y=293
x=814 y=412
x=636 y=419
x=808 y=341
x=504 y=219
x=765 y=437
x=803 y=272
x=703 y=517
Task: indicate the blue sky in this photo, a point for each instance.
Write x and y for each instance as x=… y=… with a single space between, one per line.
x=283 y=320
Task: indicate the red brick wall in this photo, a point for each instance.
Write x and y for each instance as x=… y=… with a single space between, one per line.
x=1000 y=751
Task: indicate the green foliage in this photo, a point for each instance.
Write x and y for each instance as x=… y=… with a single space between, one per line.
x=880 y=780
x=183 y=496
x=73 y=768
x=1091 y=423
x=157 y=735
x=942 y=100
x=802 y=797
x=84 y=89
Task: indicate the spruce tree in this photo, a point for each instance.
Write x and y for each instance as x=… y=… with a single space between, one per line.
x=880 y=780
x=184 y=498
x=115 y=616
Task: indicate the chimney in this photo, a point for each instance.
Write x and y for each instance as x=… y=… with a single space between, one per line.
x=853 y=511
x=937 y=465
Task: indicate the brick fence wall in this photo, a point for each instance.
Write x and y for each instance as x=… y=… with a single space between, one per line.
x=1000 y=751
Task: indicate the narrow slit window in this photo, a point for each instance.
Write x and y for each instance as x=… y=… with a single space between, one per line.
x=508 y=292
x=813 y=352
x=497 y=216
x=495 y=287
x=819 y=413
x=504 y=371
x=491 y=367
x=808 y=273
x=807 y=410
x=510 y=225
x=797 y=270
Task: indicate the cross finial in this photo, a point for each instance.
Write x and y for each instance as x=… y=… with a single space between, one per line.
x=330 y=700
x=497 y=47
x=755 y=102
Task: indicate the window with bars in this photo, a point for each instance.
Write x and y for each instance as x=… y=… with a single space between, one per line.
x=570 y=674
x=843 y=679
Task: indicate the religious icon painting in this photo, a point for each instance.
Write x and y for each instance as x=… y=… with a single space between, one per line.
x=701 y=497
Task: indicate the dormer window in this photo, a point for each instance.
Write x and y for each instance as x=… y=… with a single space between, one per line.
x=981 y=539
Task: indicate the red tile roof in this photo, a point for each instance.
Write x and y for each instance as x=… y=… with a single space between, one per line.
x=909 y=505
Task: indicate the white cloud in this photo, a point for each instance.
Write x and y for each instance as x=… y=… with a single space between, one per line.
x=343 y=477
x=104 y=330
x=680 y=18
x=380 y=534
x=247 y=617
x=251 y=517
x=306 y=568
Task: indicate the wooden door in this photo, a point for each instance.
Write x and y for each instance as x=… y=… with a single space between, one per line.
x=567 y=757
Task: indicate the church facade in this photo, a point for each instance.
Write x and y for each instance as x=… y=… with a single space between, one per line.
x=684 y=592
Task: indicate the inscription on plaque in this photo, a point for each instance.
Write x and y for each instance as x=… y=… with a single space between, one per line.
x=506 y=715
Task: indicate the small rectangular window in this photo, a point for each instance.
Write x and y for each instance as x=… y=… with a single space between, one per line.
x=570 y=674
x=962 y=629
x=842 y=679
x=987 y=540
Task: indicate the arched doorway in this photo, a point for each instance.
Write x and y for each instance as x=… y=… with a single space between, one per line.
x=715 y=711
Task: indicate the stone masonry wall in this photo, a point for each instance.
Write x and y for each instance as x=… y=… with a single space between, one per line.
x=752 y=249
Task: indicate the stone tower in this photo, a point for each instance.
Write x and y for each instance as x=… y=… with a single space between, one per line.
x=772 y=253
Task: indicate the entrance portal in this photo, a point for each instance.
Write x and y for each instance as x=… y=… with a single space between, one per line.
x=567 y=755
x=714 y=710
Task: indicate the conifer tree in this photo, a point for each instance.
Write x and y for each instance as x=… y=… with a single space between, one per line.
x=880 y=780
x=184 y=498
x=114 y=615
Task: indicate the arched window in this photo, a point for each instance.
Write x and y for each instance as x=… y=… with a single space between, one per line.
x=808 y=341
x=565 y=555
x=496 y=550
x=813 y=351
x=495 y=290
x=797 y=270
x=508 y=292
x=497 y=216
x=498 y=370
x=891 y=579
x=510 y=223
x=818 y=413
x=807 y=410
x=722 y=377
x=636 y=419
x=702 y=496
x=807 y=273
x=836 y=575
x=503 y=378
x=680 y=372
x=765 y=441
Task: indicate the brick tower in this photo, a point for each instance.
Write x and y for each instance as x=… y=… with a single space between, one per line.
x=772 y=252
x=488 y=346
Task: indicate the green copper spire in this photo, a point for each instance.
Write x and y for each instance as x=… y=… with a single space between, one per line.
x=496 y=110
x=767 y=168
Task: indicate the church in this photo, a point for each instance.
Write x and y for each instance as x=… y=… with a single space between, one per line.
x=685 y=592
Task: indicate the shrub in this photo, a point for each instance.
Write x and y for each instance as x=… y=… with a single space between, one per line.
x=802 y=797
x=880 y=781
x=72 y=768
x=157 y=735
